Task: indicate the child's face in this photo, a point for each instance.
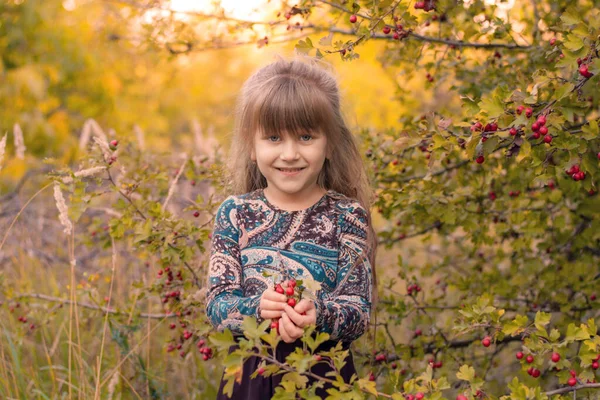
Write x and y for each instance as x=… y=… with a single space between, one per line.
x=284 y=151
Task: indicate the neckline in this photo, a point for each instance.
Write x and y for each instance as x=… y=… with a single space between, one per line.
x=261 y=193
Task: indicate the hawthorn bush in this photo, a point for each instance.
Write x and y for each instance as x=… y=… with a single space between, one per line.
x=486 y=188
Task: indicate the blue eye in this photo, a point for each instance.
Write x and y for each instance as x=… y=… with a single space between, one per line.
x=273 y=136
x=309 y=136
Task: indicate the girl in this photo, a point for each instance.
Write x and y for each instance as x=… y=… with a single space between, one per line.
x=301 y=211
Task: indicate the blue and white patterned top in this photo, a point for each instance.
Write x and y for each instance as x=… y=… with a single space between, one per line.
x=252 y=236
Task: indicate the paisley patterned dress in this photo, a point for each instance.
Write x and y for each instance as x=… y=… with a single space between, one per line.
x=325 y=242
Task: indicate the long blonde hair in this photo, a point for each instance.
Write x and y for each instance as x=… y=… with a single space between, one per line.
x=299 y=96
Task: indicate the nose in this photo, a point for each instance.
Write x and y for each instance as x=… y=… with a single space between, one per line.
x=289 y=150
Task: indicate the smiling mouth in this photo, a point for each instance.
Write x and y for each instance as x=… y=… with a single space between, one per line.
x=290 y=169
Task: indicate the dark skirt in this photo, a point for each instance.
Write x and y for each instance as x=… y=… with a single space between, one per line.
x=263 y=388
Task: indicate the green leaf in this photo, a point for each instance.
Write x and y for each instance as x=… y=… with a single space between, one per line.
x=574 y=333
x=304 y=46
x=466 y=373
x=570 y=17
x=563 y=91
x=368 y=385
x=222 y=340
x=299 y=380
x=492 y=105
x=326 y=40
x=516 y=326
x=573 y=43
x=251 y=328
x=542 y=319
x=590 y=131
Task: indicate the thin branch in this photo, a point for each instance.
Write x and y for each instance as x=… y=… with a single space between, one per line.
x=89 y=306
x=573 y=388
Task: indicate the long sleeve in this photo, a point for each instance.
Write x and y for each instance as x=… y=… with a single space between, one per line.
x=226 y=306
x=345 y=312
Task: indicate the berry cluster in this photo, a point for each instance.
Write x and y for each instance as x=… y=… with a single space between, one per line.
x=413 y=288
x=293 y=291
x=205 y=351
x=426 y=5
x=399 y=32
x=575 y=173
x=175 y=294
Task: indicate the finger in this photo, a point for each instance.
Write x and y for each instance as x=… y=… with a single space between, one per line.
x=266 y=314
x=297 y=319
x=293 y=331
x=283 y=332
x=272 y=305
x=303 y=306
x=274 y=296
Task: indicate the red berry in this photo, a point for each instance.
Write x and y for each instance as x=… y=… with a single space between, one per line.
x=583 y=70
x=520 y=355
x=572 y=381
x=593 y=296
x=371 y=376
x=573 y=373
x=480 y=159
x=461 y=397
x=393 y=365
x=292 y=283
x=486 y=342
x=520 y=109
x=261 y=371
x=547 y=138
x=528 y=112
x=396 y=36
x=275 y=325
x=598 y=155
x=419 y=396
x=536 y=373
x=513 y=132
x=529 y=359
x=418 y=332
x=387 y=29
x=535 y=127
x=353 y=18
x=291 y=302
x=289 y=291
x=555 y=357
x=595 y=365
x=541 y=120
x=279 y=289
x=196 y=214
x=552 y=41
x=543 y=130
x=536 y=135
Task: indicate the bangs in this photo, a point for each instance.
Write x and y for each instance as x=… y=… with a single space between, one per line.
x=288 y=105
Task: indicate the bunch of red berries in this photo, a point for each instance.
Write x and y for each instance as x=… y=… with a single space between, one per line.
x=293 y=291
x=576 y=173
x=413 y=288
x=205 y=351
x=426 y=5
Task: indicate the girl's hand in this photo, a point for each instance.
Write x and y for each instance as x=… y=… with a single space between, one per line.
x=272 y=304
x=292 y=323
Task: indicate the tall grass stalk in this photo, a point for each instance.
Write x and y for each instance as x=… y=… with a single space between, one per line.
x=112 y=279
x=20 y=211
